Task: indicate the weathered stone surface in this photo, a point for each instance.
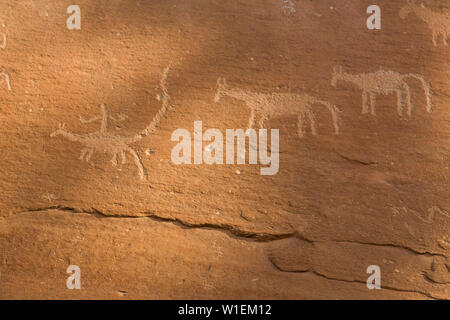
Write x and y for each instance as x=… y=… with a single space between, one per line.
x=368 y=185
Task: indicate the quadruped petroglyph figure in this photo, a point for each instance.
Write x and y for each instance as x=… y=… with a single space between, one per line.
x=106 y=142
x=265 y=106
x=439 y=23
x=383 y=82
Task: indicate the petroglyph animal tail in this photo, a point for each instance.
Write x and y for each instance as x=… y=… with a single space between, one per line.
x=106 y=142
x=264 y=106
x=384 y=82
x=439 y=23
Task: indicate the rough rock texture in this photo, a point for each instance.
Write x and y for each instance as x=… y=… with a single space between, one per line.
x=368 y=185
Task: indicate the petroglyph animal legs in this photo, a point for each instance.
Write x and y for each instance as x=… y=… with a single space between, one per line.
x=115 y=156
x=86 y=154
x=436 y=35
x=365 y=107
x=7 y=80
x=408 y=99
x=301 y=123
x=373 y=101
x=365 y=103
x=409 y=105
x=312 y=122
x=3 y=44
x=399 y=101
x=139 y=164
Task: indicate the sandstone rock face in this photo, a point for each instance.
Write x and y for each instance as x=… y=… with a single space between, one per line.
x=87 y=176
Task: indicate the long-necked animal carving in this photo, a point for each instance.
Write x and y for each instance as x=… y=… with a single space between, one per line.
x=264 y=106
x=439 y=23
x=109 y=143
x=383 y=82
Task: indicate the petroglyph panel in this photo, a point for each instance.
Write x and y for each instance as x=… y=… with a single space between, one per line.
x=87 y=178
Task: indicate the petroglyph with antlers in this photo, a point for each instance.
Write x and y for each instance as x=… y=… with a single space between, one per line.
x=106 y=142
x=383 y=82
x=439 y=23
x=264 y=106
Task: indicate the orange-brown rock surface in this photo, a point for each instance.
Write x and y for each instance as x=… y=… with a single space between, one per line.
x=87 y=177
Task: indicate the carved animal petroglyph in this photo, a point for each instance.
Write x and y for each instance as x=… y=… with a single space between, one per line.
x=106 y=142
x=439 y=23
x=265 y=106
x=383 y=82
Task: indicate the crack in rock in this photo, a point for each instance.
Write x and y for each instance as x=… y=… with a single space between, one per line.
x=231 y=230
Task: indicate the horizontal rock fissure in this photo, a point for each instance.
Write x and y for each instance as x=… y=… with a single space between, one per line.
x=365 y=163
x=349 y=281
x=229 y=229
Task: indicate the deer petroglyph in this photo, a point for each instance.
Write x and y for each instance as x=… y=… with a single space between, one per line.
x=439 y=23
x=383 y=82
x=264 y=106
x=106 y=142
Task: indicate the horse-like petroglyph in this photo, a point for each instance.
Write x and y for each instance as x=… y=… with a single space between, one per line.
x=384 y=82
x=265 y=106
x=106 y=142
x=439 y=23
